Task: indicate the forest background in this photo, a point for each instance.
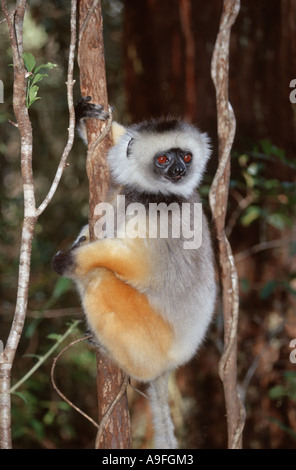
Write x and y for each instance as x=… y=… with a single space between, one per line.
x=158 y=57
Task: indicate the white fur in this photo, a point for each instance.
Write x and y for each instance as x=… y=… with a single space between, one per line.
x=137 y=169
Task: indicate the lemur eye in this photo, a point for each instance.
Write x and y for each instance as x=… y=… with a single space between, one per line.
x=187 y=158
x=162 y=159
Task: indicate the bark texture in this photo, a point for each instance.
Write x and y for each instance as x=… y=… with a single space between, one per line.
x=110 y=379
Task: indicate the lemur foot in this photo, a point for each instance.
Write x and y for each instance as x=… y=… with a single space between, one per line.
x=85 y=110
x=62 y=262
x=94 y=343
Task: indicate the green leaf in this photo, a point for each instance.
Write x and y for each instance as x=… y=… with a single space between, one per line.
x=278 y=391
x=243 y=160
x=22 y=396
x=54 y=336
x=49 y=417
x=279 y=221
x=32 y=95
x=267 y=147
x=35 y=77
x=29 y=61
x=37 y=98
x=49 y=65
x=271 y=184
x=290 y=375
x=33 y=90
x=63 y=406
x=251 y=213
x=38 y=428
x=250 y=181
x=38 y=77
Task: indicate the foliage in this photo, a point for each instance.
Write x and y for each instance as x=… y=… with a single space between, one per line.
x=58 y=338
x=41 y=420
x=34 y=76
x=264 y=198
x=272 y=199
x=285 y=390
x=272 y=286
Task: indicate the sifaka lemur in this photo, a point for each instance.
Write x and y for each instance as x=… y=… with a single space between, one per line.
x=148 y=300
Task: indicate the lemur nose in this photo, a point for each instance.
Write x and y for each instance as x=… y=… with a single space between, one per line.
x=179 y=171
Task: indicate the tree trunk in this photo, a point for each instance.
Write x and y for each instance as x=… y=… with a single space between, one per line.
x=117 y=432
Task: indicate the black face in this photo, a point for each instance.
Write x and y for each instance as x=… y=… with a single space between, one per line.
x=172 y=164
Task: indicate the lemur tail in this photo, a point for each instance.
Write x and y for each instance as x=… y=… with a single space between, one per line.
x=158 y=392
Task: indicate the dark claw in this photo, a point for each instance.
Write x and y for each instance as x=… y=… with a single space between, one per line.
x=85 y=110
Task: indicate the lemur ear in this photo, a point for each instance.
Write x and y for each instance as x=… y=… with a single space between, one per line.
x=129 y=148
x=117 y=131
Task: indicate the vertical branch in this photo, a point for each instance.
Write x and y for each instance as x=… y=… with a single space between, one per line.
x=25 y=129
x=218 y=202
x=110 y=379
x=15 y=28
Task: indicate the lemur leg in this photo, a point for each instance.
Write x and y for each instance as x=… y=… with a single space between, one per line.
x=138 y=338
x=109 y=273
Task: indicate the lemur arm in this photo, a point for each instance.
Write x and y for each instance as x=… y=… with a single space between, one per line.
x=125 y=258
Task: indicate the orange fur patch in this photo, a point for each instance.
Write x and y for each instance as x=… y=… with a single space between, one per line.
x=125 y=323
x=127 y=259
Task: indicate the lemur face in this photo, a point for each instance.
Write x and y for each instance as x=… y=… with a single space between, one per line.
x=165 y=156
